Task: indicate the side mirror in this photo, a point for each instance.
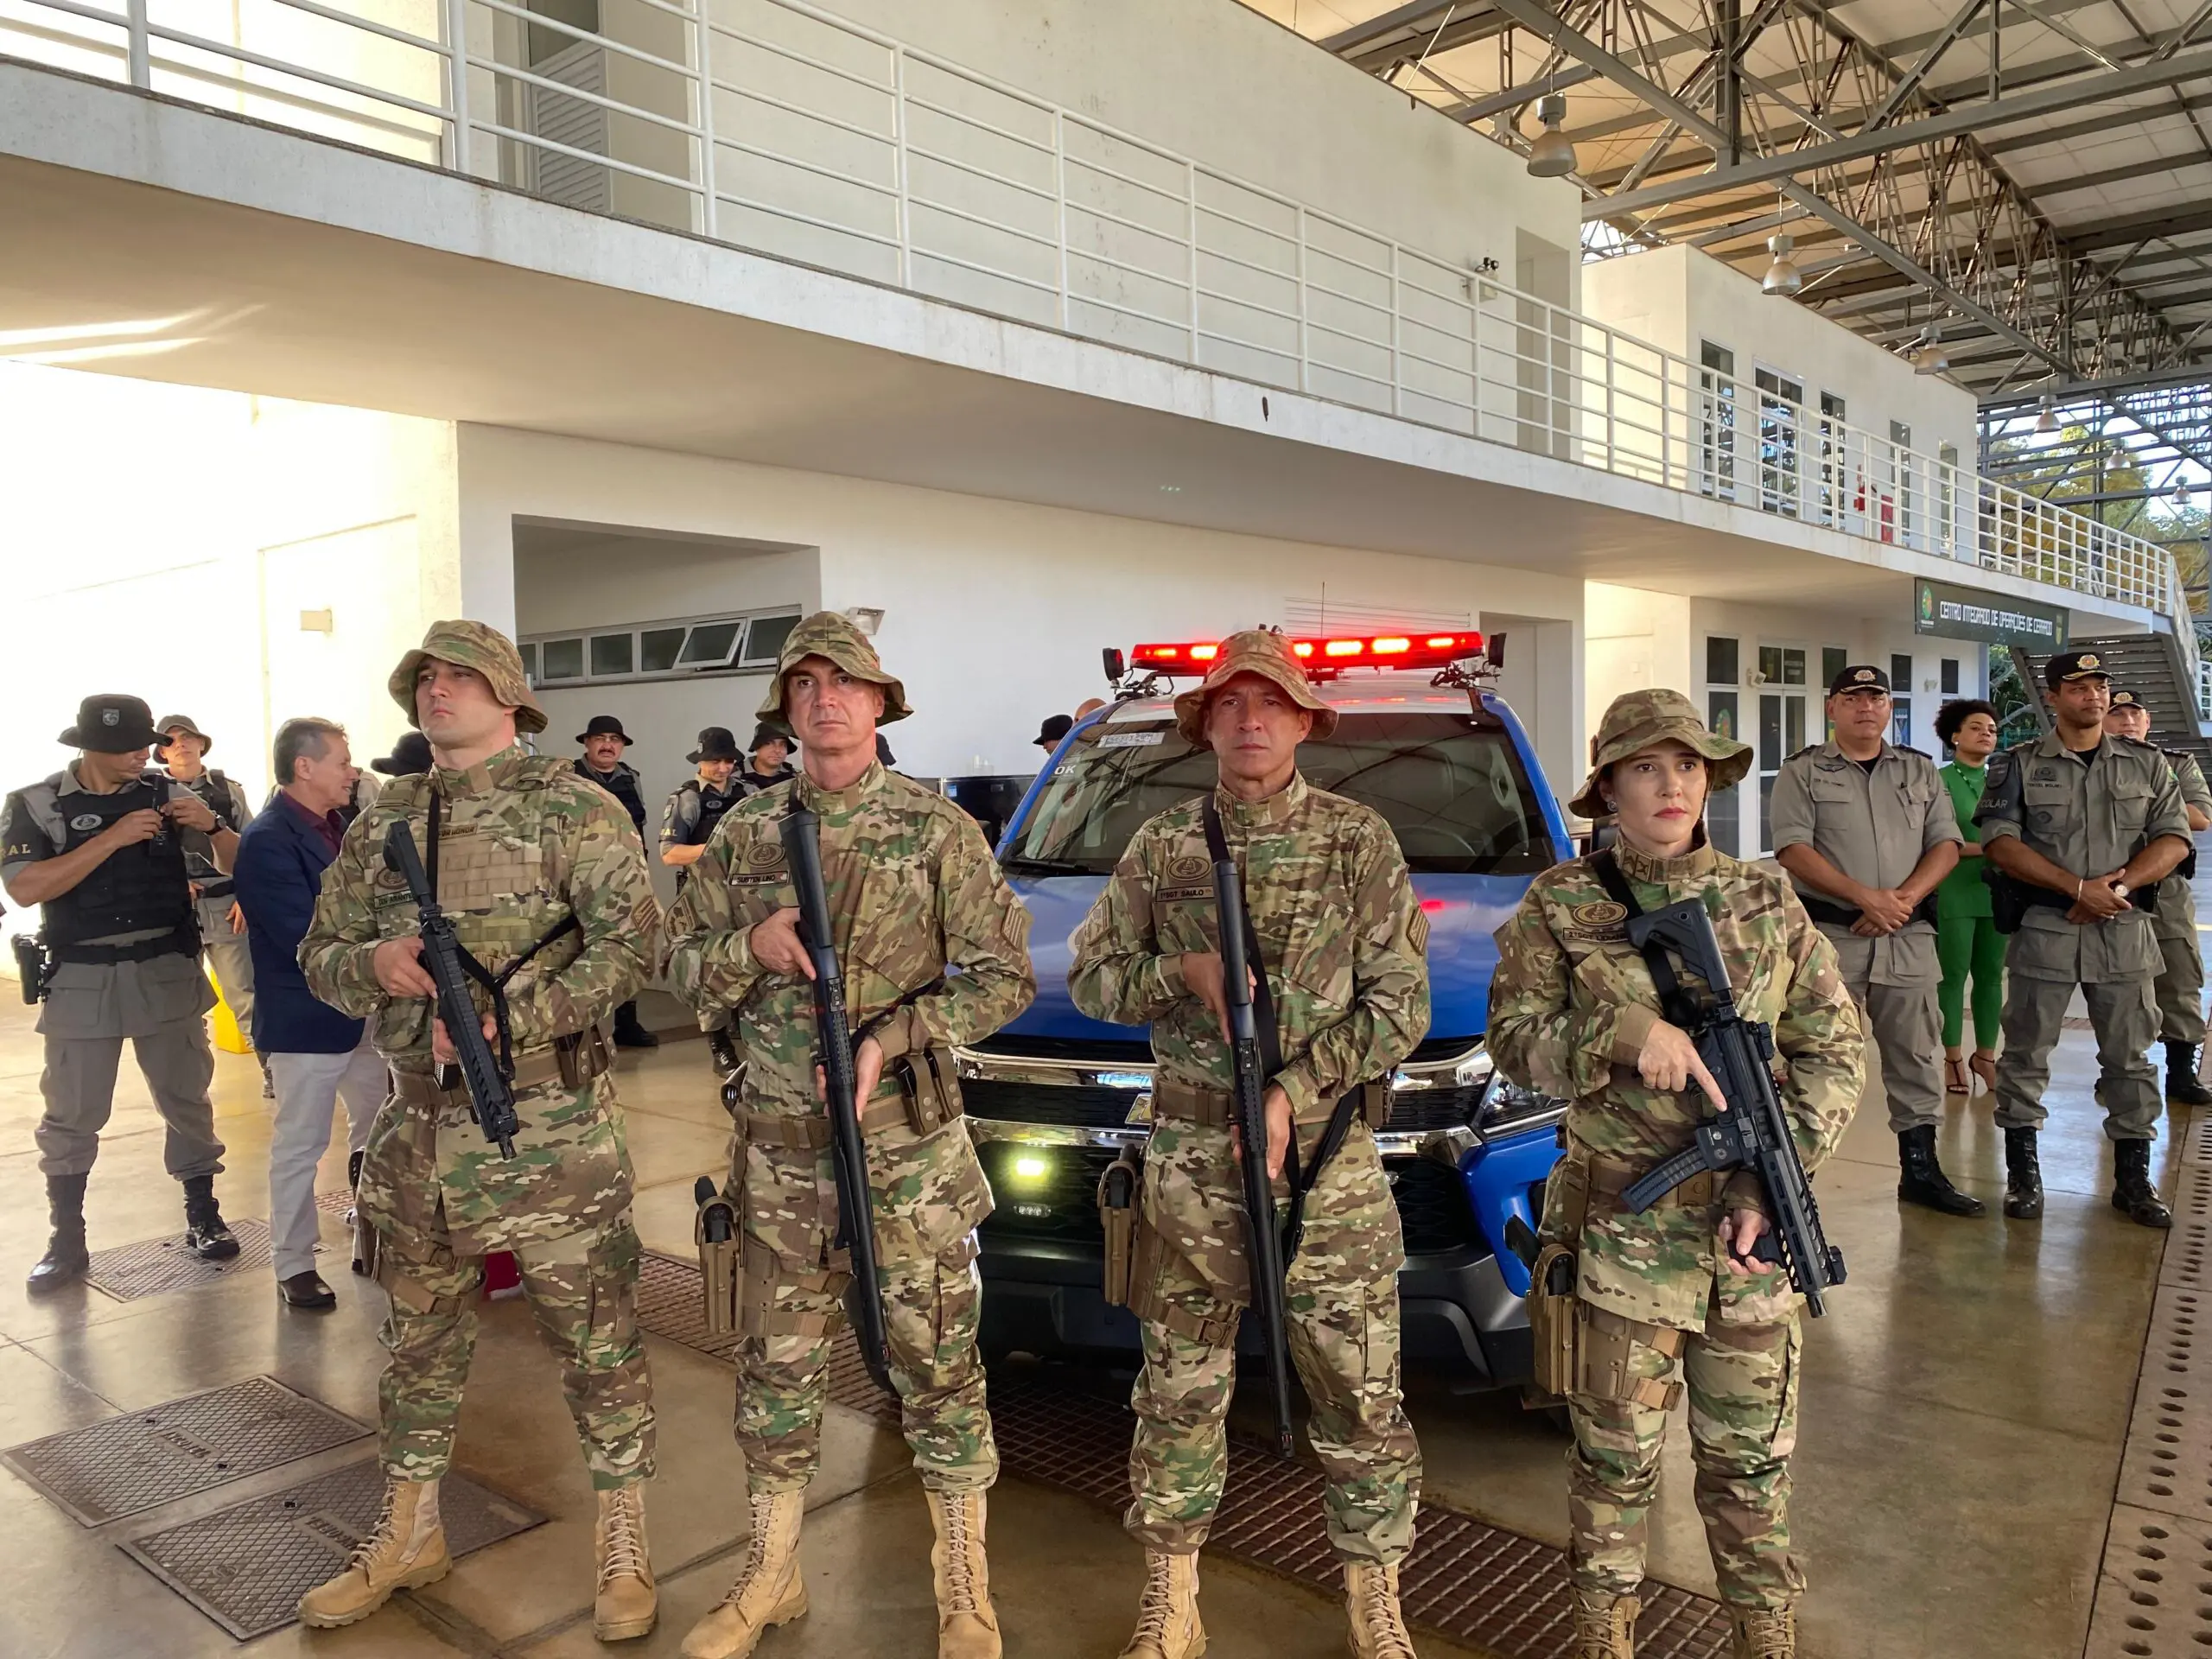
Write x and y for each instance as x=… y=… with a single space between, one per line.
x=1494 y=649
x=1115 y=664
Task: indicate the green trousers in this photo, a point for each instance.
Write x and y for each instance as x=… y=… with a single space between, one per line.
x=1971 y=944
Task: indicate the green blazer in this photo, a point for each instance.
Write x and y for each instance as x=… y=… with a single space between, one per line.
x=1963 y=893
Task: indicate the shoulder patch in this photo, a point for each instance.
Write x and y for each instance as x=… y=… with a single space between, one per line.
x=1188 y=867
x=1599 y=913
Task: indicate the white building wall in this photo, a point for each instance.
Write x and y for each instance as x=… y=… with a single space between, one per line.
x=164 y=542
x=994 y=611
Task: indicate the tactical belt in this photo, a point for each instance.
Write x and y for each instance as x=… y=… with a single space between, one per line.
x=811 y=1133
x=1612 y=1176
x=182 y=942
x=575 y=1059
x=1835 y=915
x=1209 y=1108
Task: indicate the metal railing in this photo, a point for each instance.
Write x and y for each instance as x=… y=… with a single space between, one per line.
x=776 y=126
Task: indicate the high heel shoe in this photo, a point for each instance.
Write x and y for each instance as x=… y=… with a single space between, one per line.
x=1955 y=1080
x=1984 y=1065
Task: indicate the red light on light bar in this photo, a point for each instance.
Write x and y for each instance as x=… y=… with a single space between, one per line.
x=1439 y=641
x=1302 y=647
x=1205 y=653
x=1344 y=648
x=1392 y=646
x=1382 y=650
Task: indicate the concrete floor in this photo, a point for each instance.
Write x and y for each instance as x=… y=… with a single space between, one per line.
x=1964 y=1409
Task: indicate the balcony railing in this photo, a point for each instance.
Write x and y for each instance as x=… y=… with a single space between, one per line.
x=778 y=127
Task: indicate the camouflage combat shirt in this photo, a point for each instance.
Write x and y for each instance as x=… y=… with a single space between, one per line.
x=526 y=843
x=914 y=894
x=1571 y=1004
x=1339 y=924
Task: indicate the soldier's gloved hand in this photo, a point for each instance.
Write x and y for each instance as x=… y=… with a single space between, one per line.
x=442 y=1048
x=775 y=945
x=1740 y=1230
x=398 y=967
x=868 y=1072
x=1669 y=1061
x=190 y=812
x=1280 y=1129
x=237 y=917
x=1202 y=974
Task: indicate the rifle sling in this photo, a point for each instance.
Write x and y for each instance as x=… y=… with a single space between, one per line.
x=1270 y=1038
x=1673 y=999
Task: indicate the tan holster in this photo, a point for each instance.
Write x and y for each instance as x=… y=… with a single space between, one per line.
x=1581 y=1350
x=932 y=1087
x=1119 y=1190
x=720 y=1266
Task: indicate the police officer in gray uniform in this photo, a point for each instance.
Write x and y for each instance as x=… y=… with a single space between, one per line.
x=100 y=847
x=687 y=824
x=2078 y=821
x=2180 y=986
x=222 y=926
x=1867 y=831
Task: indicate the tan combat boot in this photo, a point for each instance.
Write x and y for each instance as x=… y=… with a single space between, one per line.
x=1378 y=1629
x=770 y=1588
x=1604 y=1626
x=1759 y=1634
x=966 y=1628
x=1167 y=1617
x=407 y=1547
x=627 y=1604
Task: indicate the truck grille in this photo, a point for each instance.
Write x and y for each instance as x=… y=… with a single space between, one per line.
x=1432 y=1206
x=1082 y=1107
x=1054 y=1193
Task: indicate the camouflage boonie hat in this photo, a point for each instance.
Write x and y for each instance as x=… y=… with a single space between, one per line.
x=1256 y=651
x=482 y=647
x=828 y=634
x=1636 y=721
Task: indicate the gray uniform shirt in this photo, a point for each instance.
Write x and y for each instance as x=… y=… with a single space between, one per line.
x=1875 y=827
x=2090 y=820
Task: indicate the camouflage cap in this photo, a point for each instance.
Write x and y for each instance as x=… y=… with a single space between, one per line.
x=482 y=647
x=1256 y=651
x=828 y=634
x=1635 y=722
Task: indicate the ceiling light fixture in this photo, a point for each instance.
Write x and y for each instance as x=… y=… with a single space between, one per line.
x=2047 y=415
x=1552 y=154
x=1931 y=358
x=1783 y=277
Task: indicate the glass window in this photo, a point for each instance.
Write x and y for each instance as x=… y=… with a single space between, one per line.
x=1721 y=807
x=1950 y=677
x=1901 y=722
x=1793 y=665
x=613 y=654
x=1721 y=660
x=530 y=661
x=1451 y=785
x=1717 y=421
x=564 y=659
x=1901 y=675
x=710 y=644
x=1781 y=410
x=763 y=639
x=658 y=648
x=1834 y=660
x=1771 y=664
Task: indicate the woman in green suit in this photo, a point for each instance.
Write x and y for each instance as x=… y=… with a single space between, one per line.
x=1966 y=940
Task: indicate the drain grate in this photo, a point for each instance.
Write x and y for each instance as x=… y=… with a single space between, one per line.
x=2167 y=1465
x=2187 y=1246
x=2196 y=1141
x=132 y=1463
x=1465 y=1579
x=127 y=1272
x=2151 y=1600
x=247 y=1567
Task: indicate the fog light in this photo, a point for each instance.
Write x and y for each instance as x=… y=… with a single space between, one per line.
x=1030 y=1167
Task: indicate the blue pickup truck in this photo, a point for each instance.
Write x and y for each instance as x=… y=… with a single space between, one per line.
x=1054 y=1096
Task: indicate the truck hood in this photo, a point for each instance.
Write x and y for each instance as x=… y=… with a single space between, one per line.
x=1463 y=912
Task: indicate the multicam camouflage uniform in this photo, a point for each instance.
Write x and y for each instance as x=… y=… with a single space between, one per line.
x=913 y=892
x=1343 y=937
x=2180 y=973
x=1571 y=1005
x=524 y=844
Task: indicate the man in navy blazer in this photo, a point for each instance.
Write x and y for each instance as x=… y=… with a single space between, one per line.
x=316 y=1054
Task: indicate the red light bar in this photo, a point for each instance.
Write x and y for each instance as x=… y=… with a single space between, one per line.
x=1368 y=650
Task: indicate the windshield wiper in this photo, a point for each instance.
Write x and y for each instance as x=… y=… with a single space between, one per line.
x=1021 y=864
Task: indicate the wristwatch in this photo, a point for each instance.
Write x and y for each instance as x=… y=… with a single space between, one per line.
x=2119 y=889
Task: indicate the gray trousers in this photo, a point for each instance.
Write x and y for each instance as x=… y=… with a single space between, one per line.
x=1908 y=1030
x=308 y=1086
x=2180 y=973
x=233 y=964
x=2126 y=1020
x=79 y=1084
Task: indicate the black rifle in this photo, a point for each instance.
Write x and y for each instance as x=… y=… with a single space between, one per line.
x=1753 y=1133
x=1247 y=1110
x=801 y=833
x=490 y=1079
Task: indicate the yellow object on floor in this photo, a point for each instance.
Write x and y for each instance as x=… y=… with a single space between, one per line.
x=228 y=1036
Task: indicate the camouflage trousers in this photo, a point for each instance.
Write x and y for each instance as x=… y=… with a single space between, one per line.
x=1342 y=1298
x=1742 y=1382
x=582 y=1290
x=931 y=1306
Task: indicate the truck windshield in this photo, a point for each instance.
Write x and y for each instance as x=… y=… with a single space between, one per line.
x=1451 y=785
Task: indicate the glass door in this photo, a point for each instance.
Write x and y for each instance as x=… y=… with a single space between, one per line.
x=1781 y=401
x=1783 y=700
x=1716 y=440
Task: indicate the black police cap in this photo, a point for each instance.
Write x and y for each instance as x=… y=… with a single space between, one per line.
x=1859 y=676
x=2069 y=665
x=716 y=743
x=112 y=725
x=604 y=726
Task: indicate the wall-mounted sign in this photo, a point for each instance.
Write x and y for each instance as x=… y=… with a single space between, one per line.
x=1965 y=613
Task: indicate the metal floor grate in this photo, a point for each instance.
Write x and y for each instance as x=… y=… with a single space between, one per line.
x=247 y=1567
x=1465 y=1579
x=132 y=1463
x=127 y=1272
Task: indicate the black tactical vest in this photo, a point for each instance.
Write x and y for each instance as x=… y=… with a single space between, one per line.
x=214 y=791
x=711 y=807
x=137 y=889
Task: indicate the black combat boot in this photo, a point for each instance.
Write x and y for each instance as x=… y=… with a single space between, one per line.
x=65 y=1259
x=205 y=1235
x=2023 y=1176
x=2182 y=1087
x=628 y=1032
x=1921 y=1178
x=721 y=1053
x=2131 y=1191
